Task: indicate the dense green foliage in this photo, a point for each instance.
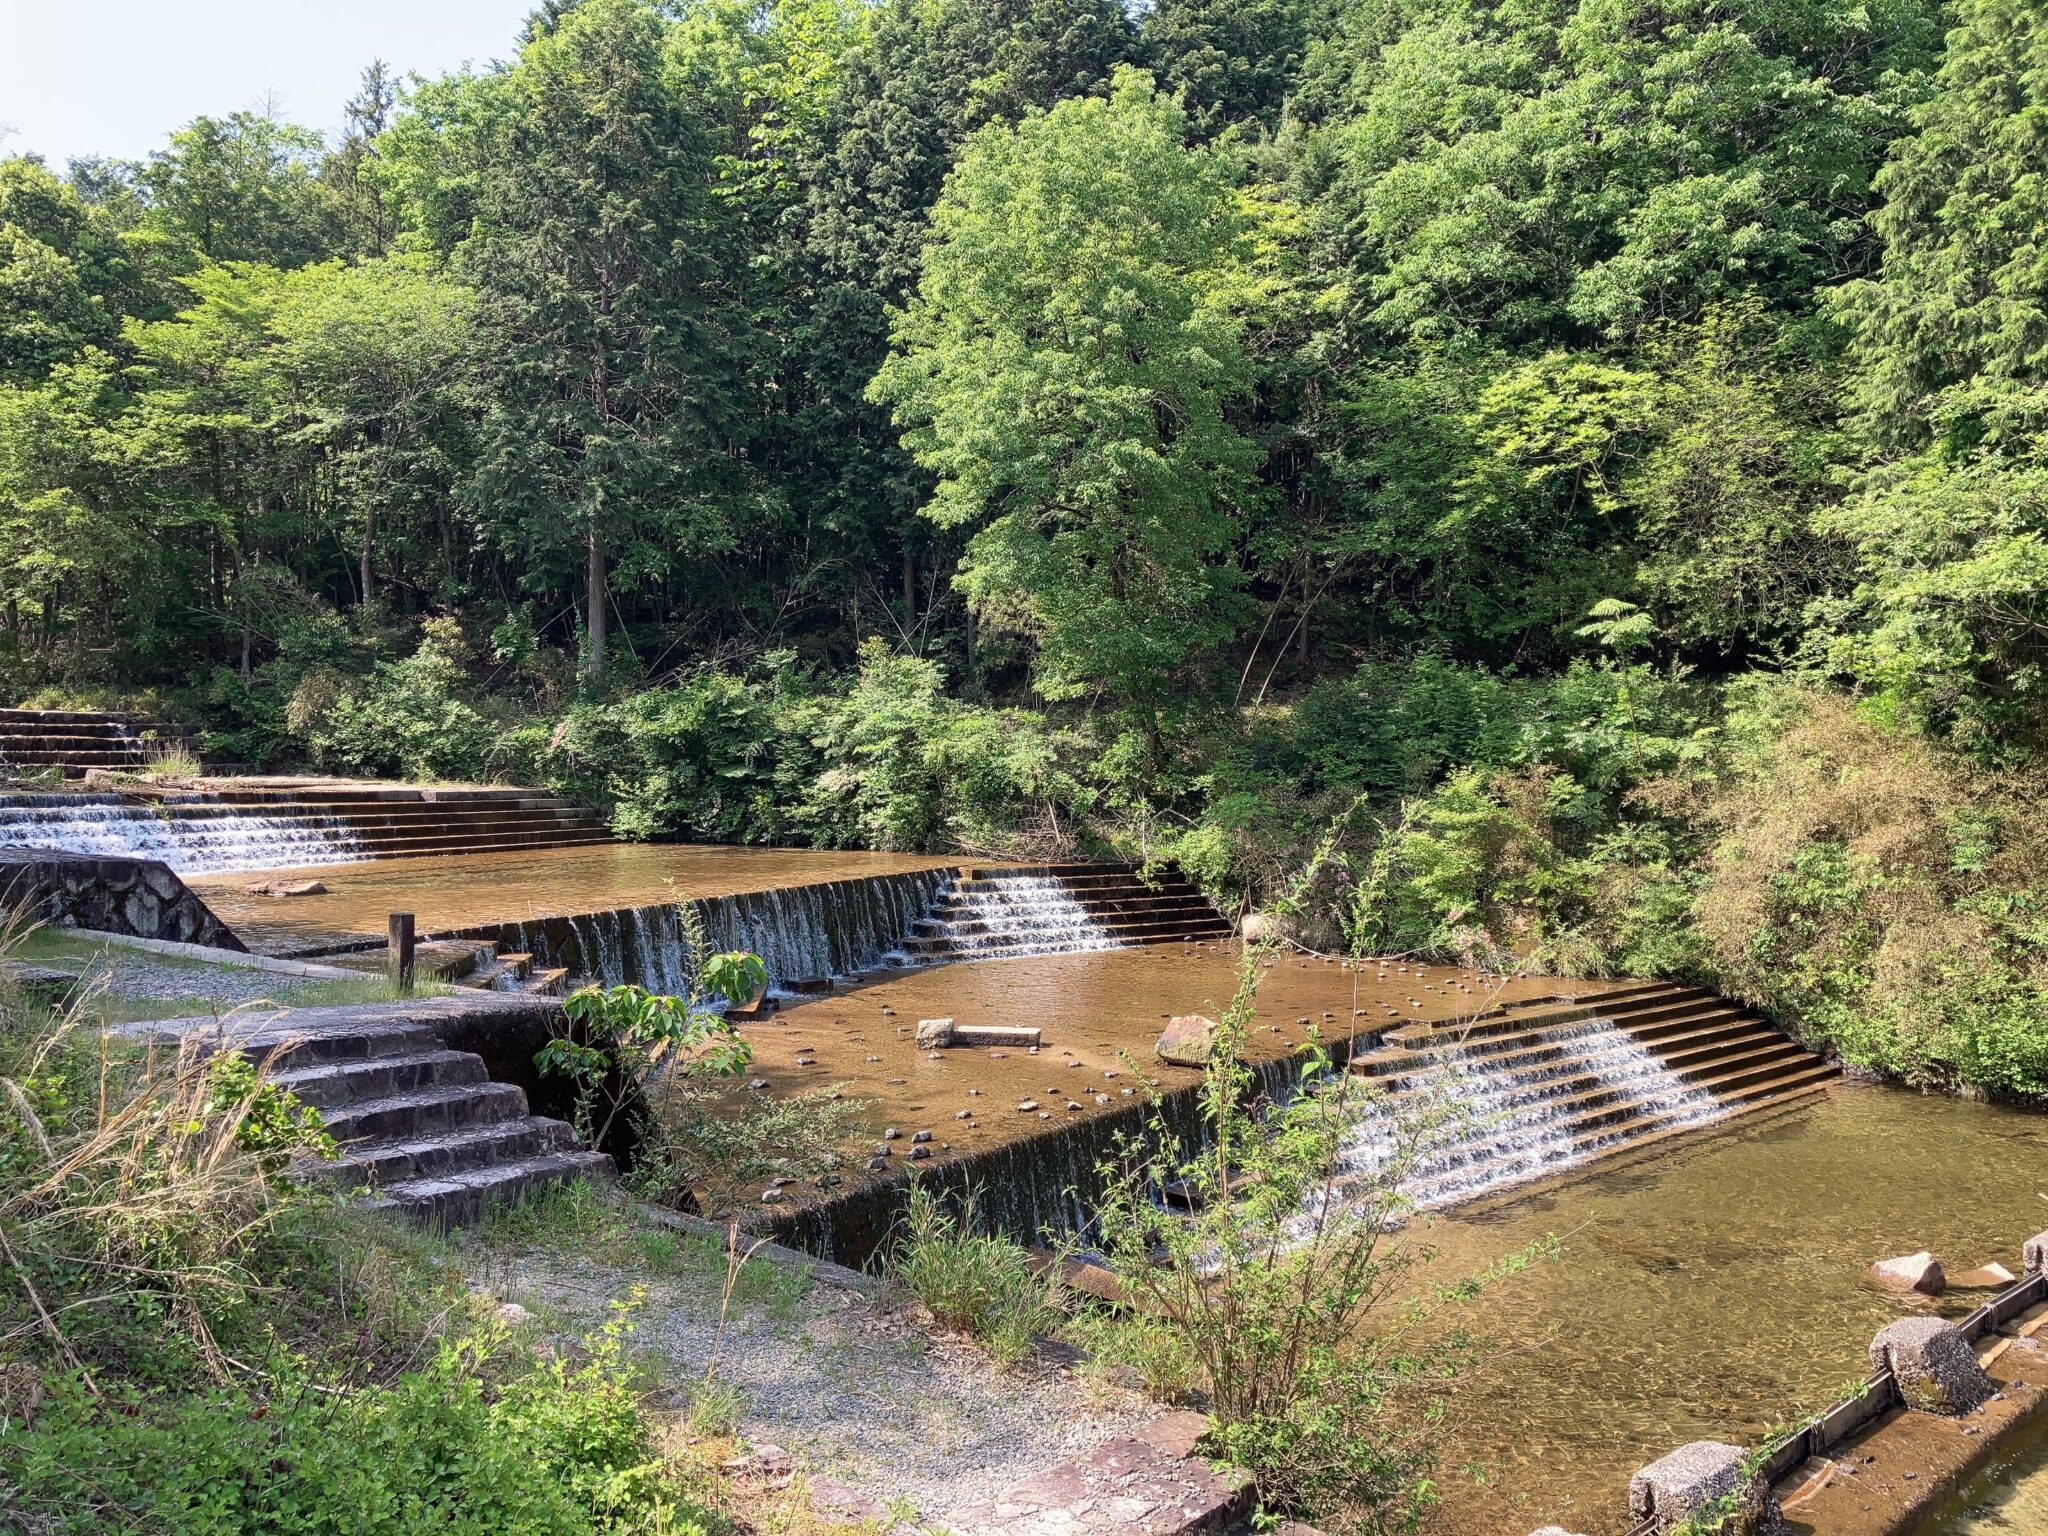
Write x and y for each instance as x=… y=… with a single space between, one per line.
x=198 y=1344
x=1164 y=428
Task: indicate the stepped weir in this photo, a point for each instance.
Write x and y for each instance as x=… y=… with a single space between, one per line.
x=524 y=892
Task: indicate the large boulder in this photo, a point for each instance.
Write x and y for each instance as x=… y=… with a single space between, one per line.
x=1189 y=1040
x=1934 y=1365
x=1910 y=1272
x=2036 y=1254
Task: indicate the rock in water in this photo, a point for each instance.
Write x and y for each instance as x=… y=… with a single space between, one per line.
x=1188 y=1041
x=1910 y=1272
x=282 y=888
x=934 y=1034
x=1986 y=1277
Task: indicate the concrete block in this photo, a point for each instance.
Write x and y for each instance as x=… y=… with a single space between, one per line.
x=1935 y=1366
x=1704 y=1477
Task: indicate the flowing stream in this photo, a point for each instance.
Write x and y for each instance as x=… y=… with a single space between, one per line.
x=191 y=839
x=1018 y=915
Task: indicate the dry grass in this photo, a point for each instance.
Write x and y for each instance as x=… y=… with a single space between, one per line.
x=1857 y=867
x=125 y=1175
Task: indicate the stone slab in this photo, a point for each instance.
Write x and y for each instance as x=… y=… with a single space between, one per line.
x=1148 y=1484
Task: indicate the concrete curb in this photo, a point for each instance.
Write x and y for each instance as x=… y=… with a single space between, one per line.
x=214 y=956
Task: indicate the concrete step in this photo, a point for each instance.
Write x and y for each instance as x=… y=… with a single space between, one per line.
x=1543 y=1063
x=334 y=1085
x=288 y=1049
x=426 y=1111
x=458 y=1198
x=1496 y=1047
x=384 y=1163
x=68 y=716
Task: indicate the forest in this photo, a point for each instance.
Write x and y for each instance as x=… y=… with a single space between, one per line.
x=1577 y=463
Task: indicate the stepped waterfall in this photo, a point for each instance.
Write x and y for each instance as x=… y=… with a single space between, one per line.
x=834 y=928
x=193 y=839
x=1467 y=1121
x=1018 y=915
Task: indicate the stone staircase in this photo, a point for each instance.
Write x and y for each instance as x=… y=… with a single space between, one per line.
x=1556 y=1081
x=1037 y=909
x=479 y=965
x=424 y=1130
x=398 y=821
x=74 y=741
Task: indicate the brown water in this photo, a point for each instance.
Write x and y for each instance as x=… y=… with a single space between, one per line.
x=472 y=890
x=1091 y=1007
x=1707 y=1291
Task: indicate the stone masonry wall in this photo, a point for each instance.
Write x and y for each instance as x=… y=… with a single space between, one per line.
x=139 y=897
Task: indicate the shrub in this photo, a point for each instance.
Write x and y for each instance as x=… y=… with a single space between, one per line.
x=554 y=1450
x=614 y=1039
x=1275 y=1295
x=971 y=1282
x=410 y=719
x=696 y=1142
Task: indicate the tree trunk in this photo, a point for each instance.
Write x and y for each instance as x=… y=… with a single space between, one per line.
x=595 y=599
x=369 y=534
x=909 y=587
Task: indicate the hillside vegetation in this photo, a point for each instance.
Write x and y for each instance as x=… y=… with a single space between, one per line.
x=1587 y=450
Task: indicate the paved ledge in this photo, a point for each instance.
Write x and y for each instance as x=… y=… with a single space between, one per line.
x=1888 y=1480
x=1149 y=1484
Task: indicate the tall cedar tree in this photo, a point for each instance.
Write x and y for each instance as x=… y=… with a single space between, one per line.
x=589 y=254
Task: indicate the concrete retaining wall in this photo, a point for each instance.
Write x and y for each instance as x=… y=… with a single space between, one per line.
x=137 y=897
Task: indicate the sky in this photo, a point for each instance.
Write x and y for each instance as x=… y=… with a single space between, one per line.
x=115 y=77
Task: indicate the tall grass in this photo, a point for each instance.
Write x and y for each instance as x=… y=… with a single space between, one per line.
x=138 y=1179
x=971 y=1282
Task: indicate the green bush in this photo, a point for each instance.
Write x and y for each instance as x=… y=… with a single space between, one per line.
x=552 y=1451
x=409 y=720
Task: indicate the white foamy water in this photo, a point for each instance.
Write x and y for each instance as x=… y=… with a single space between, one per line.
x=195 y=839
x=1022 y=915
x=1470 y=1120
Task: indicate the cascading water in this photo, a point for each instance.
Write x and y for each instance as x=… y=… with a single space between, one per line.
x=1470 y=1117
x=192 y=838
x=1017 y=915
x=835 y=928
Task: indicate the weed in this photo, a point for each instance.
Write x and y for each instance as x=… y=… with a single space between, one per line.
x=973 y=1283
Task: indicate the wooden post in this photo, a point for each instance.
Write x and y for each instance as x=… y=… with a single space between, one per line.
x=401 y=953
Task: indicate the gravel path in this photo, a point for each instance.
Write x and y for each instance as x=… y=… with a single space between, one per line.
x=138 y=974
x=851 y=1385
